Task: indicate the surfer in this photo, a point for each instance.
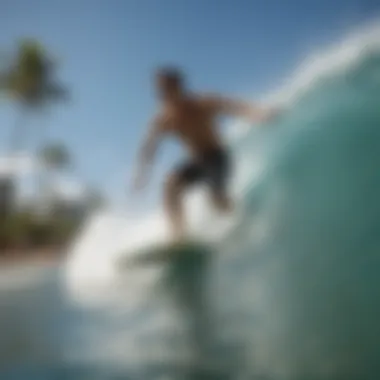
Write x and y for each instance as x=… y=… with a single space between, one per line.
x=192 y=119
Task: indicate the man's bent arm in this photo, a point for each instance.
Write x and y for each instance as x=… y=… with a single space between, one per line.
x=148 y=150
x=238 y=108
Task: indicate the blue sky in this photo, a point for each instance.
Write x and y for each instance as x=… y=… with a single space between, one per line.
x=108 y=50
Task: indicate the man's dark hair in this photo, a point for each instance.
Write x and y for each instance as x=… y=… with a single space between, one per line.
x=171 y=74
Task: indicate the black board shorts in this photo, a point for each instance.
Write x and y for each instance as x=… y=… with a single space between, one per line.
x=213 y=168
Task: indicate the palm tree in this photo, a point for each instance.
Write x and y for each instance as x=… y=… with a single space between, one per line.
x=55 y=156
x=29 y=79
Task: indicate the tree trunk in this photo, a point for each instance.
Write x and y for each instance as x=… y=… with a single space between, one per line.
x=44 y=175
x=8 y=180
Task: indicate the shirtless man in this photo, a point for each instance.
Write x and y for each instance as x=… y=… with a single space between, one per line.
x=192 y=119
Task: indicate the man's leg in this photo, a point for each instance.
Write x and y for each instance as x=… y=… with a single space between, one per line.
x=219 y=172
x=175 y=188
x=174 y=208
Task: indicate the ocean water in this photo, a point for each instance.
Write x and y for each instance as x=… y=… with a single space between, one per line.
x=292 y=289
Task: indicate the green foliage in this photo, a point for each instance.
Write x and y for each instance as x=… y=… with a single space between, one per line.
x=29 y=78
x=14 y=230
x=55 y=156
x=23 y=230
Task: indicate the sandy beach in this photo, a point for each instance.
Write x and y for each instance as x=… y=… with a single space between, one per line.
x=48 y=255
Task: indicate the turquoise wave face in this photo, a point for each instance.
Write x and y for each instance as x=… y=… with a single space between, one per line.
x=309 y=242
x=296 y=282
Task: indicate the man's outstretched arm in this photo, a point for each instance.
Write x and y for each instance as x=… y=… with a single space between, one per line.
x=239 y=108
x=147 y=153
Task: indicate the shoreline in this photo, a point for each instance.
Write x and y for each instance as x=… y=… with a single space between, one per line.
x=48 y=255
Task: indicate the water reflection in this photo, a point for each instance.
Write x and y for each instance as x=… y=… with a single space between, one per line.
x=43 y=335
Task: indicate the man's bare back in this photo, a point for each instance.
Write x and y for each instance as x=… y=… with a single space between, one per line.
x=192 y=119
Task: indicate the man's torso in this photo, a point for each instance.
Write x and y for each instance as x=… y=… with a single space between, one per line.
x=194 y=124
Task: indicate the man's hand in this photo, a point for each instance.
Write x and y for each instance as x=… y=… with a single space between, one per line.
x=248 y=111
x=147 y=153
x=139 y=182
x=267 y=115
